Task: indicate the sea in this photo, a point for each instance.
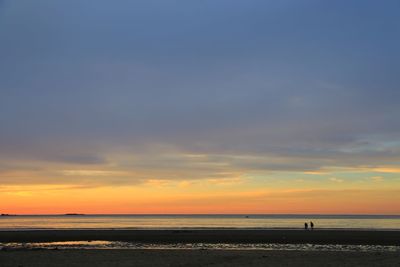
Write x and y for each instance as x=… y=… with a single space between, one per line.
x=235 y=221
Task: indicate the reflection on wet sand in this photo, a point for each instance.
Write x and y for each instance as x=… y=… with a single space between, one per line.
x=99 y=244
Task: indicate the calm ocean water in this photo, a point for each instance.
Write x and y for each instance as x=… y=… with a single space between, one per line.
x=25 y=222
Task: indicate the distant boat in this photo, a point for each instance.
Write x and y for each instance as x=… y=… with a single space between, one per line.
x=74 y=214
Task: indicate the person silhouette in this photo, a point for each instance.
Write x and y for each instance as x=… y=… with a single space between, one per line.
x=305 y=226
x=312 y=225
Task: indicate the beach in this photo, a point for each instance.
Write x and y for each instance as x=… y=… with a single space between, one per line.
x=284 y=236
x=200 y=257
x=151 y=258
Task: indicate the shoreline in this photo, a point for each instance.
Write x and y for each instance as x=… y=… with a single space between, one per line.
x=198 y=229
x=234 y=236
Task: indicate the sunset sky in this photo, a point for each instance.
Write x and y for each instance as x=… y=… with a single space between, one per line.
x=211 y=106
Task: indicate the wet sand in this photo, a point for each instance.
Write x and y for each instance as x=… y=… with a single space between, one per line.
x=356 y=237
x=152 y=258
x=203 y=257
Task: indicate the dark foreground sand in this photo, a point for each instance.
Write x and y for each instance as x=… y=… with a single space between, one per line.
x=153 y=258
x=231 y=258
x=356 y=237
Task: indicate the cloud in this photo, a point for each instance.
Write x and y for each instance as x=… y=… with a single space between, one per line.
x=336 y=180
x=196 y=90
x=377 y=178
x=387 y=169
x=91 y=173
x=37 y=188
x=226 y=181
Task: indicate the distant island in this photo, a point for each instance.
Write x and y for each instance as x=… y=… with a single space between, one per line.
x=74 y=214
x=6 y=214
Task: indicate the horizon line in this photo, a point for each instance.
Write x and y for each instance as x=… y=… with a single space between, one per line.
x=196 y=214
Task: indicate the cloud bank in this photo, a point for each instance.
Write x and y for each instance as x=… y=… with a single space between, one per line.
x=195 y=90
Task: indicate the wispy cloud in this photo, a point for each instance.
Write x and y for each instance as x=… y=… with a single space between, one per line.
x=336 y=180
x=94 y=173
x=377 y=178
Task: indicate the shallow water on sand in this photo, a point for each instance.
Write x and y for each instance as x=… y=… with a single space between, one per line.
x=192 y=246
x=24 y=222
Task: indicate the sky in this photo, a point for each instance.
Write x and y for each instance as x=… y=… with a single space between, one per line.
x=212 y=106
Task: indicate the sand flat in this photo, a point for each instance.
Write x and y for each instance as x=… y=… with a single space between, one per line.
x=200 y=257
x=358 y=237
x=152 y=258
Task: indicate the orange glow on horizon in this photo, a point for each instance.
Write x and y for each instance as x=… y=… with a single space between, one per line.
x=149 y=200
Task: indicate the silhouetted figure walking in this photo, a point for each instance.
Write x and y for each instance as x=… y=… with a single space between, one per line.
x=305 y=226
x=312 y=225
